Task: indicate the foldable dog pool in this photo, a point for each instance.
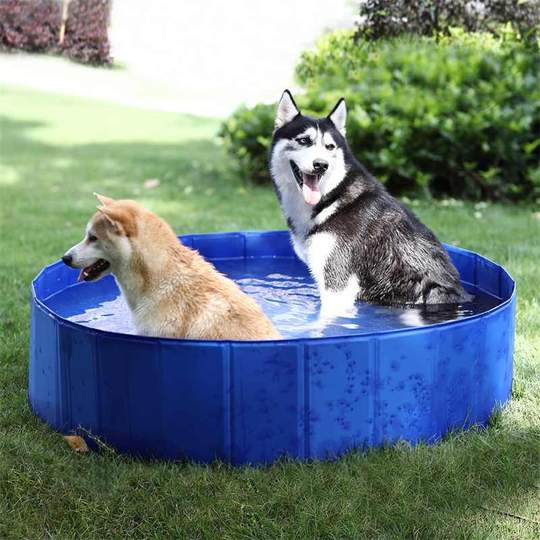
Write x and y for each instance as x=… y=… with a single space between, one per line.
x=384 y=376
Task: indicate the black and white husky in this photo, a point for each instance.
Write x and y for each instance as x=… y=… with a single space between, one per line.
x=358 y=241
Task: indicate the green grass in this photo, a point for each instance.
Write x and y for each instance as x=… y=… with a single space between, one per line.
x=55 y=151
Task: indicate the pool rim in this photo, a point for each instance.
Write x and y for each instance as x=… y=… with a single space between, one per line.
x=326 y=339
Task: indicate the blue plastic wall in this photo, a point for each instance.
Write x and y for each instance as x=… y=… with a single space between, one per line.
x=252 y=402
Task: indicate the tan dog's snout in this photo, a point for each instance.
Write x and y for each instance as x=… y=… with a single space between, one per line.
x=67 y=259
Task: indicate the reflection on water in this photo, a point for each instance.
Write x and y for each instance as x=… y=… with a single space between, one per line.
x=283 y=289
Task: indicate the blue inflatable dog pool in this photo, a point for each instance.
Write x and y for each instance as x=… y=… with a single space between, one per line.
x=387 y=375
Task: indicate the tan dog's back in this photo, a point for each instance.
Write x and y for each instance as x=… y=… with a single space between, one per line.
x=216 y=307
x=170 y=289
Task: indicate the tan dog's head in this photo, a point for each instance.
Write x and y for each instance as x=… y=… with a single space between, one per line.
x=108 y=242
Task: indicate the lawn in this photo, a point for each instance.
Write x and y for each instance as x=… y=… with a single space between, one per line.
x=55 y=151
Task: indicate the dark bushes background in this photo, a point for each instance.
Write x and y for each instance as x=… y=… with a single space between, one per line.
x=390 y=18
x=86 y=31
x=455 y=115
x=34 y=26
x=29 y=26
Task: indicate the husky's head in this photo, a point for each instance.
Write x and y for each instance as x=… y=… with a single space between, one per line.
x=108 y=241
x=308 y=154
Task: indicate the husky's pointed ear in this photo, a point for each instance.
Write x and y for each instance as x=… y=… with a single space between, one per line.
x=338 y=116
x=105 y=201
x=286 y=110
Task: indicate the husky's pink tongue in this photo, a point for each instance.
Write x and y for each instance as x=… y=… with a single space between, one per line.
x=310 y=190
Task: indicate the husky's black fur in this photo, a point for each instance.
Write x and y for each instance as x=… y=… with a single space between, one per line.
x=397 y=259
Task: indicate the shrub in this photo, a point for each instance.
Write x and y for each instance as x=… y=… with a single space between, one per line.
x=86 y=37
x=459 y=117
x=388 y=18
x=34 y=26
x=247 y=135
x=29 y=26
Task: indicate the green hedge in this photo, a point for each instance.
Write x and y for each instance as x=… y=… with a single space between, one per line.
x=459 y=116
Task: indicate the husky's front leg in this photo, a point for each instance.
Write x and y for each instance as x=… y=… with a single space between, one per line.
x=338 y=294
x=340 y=303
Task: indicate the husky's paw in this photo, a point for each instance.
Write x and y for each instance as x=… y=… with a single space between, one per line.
x=331 y=311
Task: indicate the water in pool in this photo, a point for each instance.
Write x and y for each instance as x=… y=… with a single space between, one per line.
x=281 y=286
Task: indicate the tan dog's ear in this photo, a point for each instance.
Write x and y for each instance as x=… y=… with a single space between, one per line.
x=105 y=201
x=113 y=224
x=121 y=220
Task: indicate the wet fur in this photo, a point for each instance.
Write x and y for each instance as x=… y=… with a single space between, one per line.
x=170 y=289
x=358 y=241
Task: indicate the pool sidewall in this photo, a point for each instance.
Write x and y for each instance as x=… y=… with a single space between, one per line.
x=252 y=402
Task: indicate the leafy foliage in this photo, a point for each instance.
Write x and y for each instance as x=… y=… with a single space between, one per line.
x=34 y=26
x=247 y=135
x=458 y=117
x=86 y=31
x=387 y=18
x=29 y=26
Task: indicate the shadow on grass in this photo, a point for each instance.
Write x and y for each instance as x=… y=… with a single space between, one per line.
x=198 y=190
x=457 y=489
x=125 y=163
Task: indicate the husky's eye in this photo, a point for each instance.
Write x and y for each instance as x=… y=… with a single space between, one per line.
x=304 y=141
x=92 y=238
x=330 y=146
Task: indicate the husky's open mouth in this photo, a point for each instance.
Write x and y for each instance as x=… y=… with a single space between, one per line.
x=94 y=271
x=308 y=183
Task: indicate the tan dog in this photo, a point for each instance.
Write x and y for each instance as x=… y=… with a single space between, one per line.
x=170 y=289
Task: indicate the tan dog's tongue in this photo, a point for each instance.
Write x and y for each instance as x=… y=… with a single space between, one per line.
x=310 y=191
